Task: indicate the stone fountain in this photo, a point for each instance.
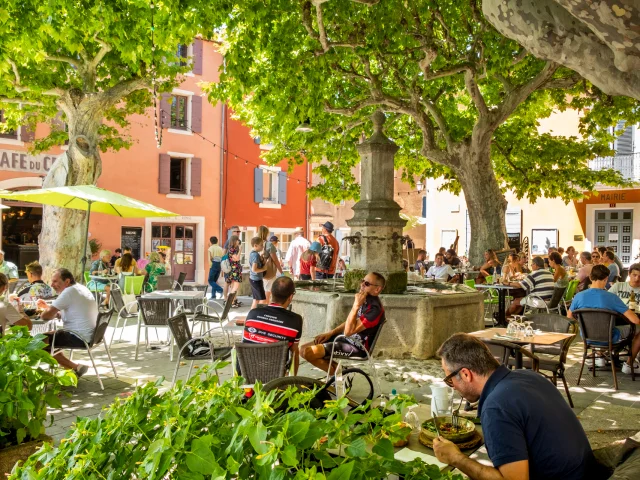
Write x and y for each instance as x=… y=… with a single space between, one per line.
x=419 y=318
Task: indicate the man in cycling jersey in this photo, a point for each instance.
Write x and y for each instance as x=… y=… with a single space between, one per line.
x=364 y=320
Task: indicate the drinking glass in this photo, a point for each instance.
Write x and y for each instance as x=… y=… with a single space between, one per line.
x=441 y=397
x=528 y=331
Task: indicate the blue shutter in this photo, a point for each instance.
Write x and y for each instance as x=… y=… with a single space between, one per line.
x=282 y=188
x=257 y=185
x=424 y=207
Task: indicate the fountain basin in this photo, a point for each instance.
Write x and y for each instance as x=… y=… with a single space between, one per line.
x=418 y=321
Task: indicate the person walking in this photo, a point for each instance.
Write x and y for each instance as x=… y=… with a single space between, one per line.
x=297 y=247
x=234 y=230
x=269 y=254
x=329 y=253
x=215 y=255
x=234 y=277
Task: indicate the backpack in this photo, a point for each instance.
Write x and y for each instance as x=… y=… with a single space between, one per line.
x=225 y=264
x=326 y=255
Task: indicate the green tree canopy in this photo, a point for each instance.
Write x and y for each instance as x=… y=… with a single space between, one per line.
x=462 y=101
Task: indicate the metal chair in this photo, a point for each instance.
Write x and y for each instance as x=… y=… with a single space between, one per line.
x=368 y=358
x=97 y=339
x=154 y=312
x=596 y=326
x=207 y=314
x=191 y=306
x=262 y=362
x=125 y=312
x=550 y=322
x=503 y=351
x=180 y=281
x=133 y=284
x=179 y=327
x=541 y=304
x=164 y=282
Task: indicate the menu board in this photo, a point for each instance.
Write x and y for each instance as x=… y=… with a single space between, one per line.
x=132 y=237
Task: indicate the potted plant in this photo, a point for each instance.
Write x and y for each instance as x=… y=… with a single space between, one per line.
x=27 y=387
x=206 y=430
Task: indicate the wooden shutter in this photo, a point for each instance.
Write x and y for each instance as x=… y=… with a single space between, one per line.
x=624 y=143
x=198 y=47
x=196 y=113
x=165 y=110
x=164 y=173
x=282 y=188
x=27 y=135
x=257 y=185
x=196 y=177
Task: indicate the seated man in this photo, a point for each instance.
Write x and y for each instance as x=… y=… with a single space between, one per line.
x=36 y=288
x=9 y=315
x=539 y=283
x=608 y=259
x=77 y=308
x=598 y=297
x=440 y=270
x=360 y=328
x=419 y=267
x=624 y=289
x=274 y=323
x=101 y=267
x=529 y=430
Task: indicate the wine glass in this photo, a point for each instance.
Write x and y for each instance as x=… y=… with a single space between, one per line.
x=528 y=331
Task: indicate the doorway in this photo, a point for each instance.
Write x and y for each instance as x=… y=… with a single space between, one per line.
x=181 y=239
x=613 y=229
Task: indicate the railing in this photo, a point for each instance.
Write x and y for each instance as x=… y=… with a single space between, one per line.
x=627 y=165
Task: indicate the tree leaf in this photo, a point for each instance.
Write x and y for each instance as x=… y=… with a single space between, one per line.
x=343 y=472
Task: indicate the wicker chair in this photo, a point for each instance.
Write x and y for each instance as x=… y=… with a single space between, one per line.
x=164 y=282
x=180 y=281
x=262 y=362
x=125 y=312
x=191 y=307
x=154 y=312
x=554 y=303
x=179 y=326
x=102 y=323
x=596 y=326
x=208 y=314
x=504 y=351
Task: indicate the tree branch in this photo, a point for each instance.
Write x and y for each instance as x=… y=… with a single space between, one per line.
x=434 y=111
x=306 y=20
x=563 y=83
x=104 y=49
x=447 y=72
x=20 y=101
x=474 y=92
x=367 y=2
x=117 y=92
x=64 y=59
x=322 y=33
x=349 y=111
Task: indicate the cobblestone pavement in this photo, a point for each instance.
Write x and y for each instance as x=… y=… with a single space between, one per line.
x=606 y=414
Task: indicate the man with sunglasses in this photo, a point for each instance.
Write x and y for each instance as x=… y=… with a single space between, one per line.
x=361 y=327
x=529 y=430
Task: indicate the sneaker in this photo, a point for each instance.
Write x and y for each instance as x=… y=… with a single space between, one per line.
x=600 y=362
x=626 y=368
x=81 y=370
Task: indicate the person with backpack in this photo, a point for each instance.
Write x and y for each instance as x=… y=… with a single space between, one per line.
x=329 y=252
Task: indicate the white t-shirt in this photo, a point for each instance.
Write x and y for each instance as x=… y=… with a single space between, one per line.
x=443 y=272
x=623 y=290
x=79 y=310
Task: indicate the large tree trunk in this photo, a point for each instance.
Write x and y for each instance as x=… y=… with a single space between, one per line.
x=485 y=202
x=63 y=229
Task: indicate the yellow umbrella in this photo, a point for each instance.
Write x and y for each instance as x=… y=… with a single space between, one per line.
x=89 y=198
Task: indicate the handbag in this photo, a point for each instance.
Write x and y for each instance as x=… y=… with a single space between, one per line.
x=271 y=270
x=128 y=298
x=225 y=263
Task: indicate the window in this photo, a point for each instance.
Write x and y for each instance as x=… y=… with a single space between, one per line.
x=613 y=229
x=601 y=229
x=183 y=55
x=269 y=186
x=626 y=229
x=626 y=215
x=180 y=112
x=600 y=238
x=601 y=216
x=626 y=249
x=542 y=239
x=614 y=215
x=11 y=134
x=626 y=239
x=177 y=179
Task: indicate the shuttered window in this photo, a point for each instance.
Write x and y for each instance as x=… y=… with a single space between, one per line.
x=198 y=51
x=180 y=176
x=183 y=55
x=624 y=144
x=180 y=112
x=270 y=186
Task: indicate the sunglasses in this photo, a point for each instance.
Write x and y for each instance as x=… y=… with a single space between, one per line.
x=448 y=380
x=367 y=284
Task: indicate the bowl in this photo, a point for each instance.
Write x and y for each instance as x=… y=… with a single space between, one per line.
x=466 y=429
x=30 y=312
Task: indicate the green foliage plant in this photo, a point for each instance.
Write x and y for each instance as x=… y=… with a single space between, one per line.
x=206 y=430
x=27 y=386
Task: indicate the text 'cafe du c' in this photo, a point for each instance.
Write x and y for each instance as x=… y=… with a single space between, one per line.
x=13 y=161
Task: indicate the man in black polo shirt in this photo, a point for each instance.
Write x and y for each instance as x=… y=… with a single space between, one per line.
x=361 y=327
x=529 y=430
x=274 y=323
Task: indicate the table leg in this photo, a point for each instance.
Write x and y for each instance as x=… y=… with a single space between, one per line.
x=502 y=311
x=518 y=360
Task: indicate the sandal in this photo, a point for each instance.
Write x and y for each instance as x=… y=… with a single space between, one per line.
x=236 y=305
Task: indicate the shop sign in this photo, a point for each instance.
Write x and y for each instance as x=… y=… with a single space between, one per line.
x=13 y=161
x=609 y=197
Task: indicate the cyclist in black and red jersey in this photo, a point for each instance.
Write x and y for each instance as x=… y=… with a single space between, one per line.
x=274 y=323
x=361 y=327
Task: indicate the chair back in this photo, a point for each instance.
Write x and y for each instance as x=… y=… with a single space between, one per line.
x=102 y=323
x=180 y=330
x=133 y=284
x=155 y=311
x=556 y=298
x=488 y=279
x=552 y=322
x=375 y=338
x=164 y=282
x=87 y=277
x=596 y=325
x=262 y=362
x=503 y=351
x=470 y=283
x=116 y=298
x=227 y=306
x=16 y=286
x=571 y=290
x=181 y=278
x=191 y=305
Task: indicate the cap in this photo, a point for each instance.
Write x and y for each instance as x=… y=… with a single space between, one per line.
x=315 y=247
x=299 y=230
x=273 y=238
x=328 y=226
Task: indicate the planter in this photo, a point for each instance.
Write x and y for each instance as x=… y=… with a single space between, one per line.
x=19 y=453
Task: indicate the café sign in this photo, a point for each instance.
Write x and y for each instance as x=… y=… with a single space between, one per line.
x=13 y=161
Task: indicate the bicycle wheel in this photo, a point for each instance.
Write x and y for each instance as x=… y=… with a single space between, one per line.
x=358 y=386
x=301 y=384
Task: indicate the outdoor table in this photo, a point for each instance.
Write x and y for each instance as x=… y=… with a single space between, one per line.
x=466 y=273
x=502 y=297
x=542 y=338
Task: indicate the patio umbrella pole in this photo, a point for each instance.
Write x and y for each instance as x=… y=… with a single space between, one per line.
x=86 y=239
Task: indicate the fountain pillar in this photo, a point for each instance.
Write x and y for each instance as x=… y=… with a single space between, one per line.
x=376 y=226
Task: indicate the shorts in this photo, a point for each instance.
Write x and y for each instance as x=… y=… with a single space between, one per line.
x=343 y=349
x=257 y=290
x=65 y=340
x=269 y=283
x=305 y=276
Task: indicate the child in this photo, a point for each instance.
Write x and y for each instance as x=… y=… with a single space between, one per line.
x=309 y=260
x=257 y=268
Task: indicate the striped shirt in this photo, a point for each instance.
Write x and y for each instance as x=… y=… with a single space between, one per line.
x=539 y=283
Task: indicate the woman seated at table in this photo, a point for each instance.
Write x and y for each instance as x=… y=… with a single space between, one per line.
x=524 y=262
x=512 y=270
x=560 y=277
x=11 y=316
x=488 y=267
x=128 y=265
x=154 y=268
x=101 y=268
x=595 y=257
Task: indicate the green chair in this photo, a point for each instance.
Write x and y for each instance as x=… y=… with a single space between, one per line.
x=572 y=287
x=133 y=284
x=470 y=283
